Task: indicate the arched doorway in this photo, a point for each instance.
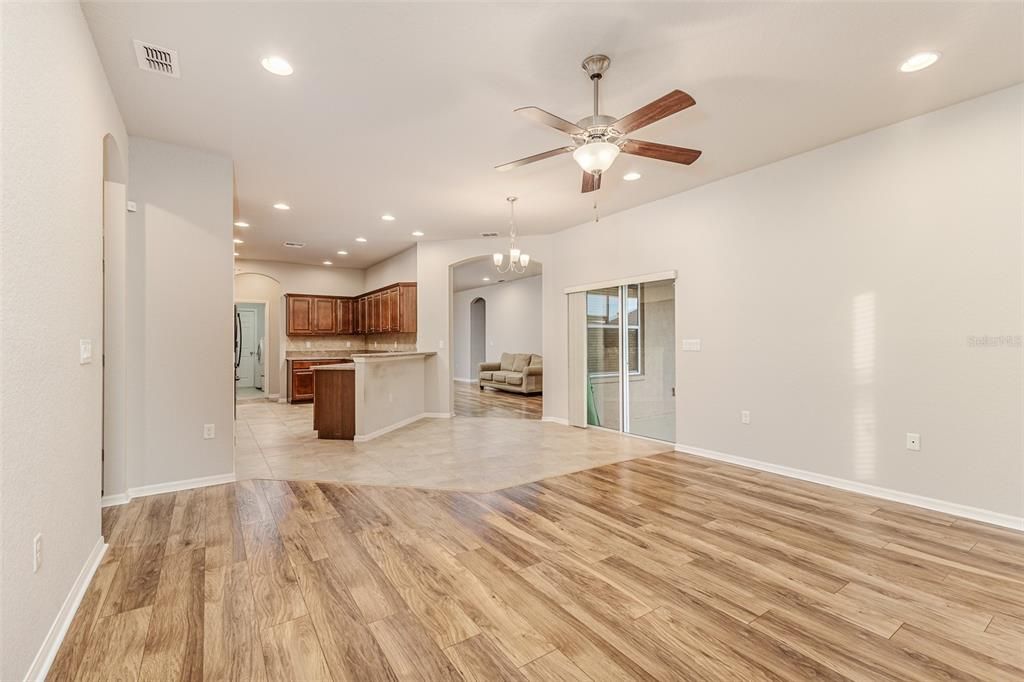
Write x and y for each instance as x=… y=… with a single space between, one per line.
x=477 y=335
x=496 y=320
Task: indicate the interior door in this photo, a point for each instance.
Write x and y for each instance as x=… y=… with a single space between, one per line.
x=247 y=352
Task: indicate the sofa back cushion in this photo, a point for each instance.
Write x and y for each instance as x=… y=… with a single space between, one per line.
x=536 y=361
x=507 y=361
x=521 y=362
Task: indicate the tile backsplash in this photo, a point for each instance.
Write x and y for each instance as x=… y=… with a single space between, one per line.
x=358 y=342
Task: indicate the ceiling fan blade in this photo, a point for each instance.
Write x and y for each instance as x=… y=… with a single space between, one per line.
x=530 y=159
x=672 y=103
x=662 y=152
x=549 y=119
x=591 y=182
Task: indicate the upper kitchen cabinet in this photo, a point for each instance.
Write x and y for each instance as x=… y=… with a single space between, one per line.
x=299 y=314
x=385 y=310
x=345 y=314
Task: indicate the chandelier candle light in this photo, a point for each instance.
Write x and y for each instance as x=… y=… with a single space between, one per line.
x=517 y=260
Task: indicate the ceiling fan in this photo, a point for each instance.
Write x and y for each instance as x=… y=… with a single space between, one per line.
x=598 y=139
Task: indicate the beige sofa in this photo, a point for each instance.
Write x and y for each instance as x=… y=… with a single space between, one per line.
x=518 y=373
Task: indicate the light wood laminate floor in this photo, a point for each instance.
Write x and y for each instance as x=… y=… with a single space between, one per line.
x=470 y=401
x=668 y=567
x=480 y=454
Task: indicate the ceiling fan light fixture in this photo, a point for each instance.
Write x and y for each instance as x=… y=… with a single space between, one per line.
x=596 y=157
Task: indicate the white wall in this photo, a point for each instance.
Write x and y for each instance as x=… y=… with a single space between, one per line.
x=399 y=268
x=308 y=279
x=434 y=319
x=836 y=293
x=183 y=313
x=513 y=321
x=56 y=109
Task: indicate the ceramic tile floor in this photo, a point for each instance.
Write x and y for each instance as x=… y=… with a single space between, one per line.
x=473 y=454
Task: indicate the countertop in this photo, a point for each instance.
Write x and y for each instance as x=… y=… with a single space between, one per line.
x=375 y=357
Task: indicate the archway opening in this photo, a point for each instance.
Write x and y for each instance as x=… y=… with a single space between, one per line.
x=497 y=361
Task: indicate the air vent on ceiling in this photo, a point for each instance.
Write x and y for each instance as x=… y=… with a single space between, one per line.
x=294 y=245
x=157 y=59
x=488 y=234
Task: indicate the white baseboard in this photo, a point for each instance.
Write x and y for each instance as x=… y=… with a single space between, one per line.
x=397 y=425
x=388 y=429
x=954 y=508
x=48 y=651
x=114 y=500
x=169 y=487
x=464 y=381
x=282 y=400
x=555 y=420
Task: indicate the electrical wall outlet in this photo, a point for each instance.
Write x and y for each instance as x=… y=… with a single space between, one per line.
x=745 y=416
x=691 y=345
x=209 y=431
x=309 y=344
x=37 y=552
x=914 y=442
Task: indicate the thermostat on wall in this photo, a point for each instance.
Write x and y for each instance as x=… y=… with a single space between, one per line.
x=131 y=207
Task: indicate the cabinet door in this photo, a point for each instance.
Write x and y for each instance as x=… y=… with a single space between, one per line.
x=394 y=310
x=344 y=315
x=324 y=316
x=385 y=311
x=361 y=315
x=407 y=308
x=378 y=303
x=300 y=315
x=302 y=384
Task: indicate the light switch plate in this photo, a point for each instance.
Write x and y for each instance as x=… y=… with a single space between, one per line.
x=84 y=351
x=914 y=442
x=691 y=345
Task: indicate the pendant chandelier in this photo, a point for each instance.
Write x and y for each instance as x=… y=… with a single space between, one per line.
x=517 y=260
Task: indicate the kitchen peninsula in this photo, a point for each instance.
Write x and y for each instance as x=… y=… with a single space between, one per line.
x=369 y=396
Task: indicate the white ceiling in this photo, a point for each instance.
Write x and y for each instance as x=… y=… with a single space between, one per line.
x=405 y=108
x=470 y=275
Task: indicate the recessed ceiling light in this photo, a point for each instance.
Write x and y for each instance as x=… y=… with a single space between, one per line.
x=417 y=233
x=327 y=262
x=487 y=279
x=631 y=176
x=280 y=206
x=236 y=253
x=241 y=223
x=388 y=217
x=361 y=240
x=278 y=66
x=921 y=60
x=238 y=241
x=343 y=253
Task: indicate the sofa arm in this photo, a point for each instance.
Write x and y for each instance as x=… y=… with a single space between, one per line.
x=490 y=366
x=533 y=371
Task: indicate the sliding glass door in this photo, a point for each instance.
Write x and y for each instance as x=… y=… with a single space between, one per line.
x=631 y=359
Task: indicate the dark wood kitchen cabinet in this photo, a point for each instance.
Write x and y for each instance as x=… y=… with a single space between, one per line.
x=346 y=316
x=385 y=310
x=301 y=381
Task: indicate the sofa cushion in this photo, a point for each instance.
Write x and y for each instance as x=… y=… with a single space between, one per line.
x=486 y=376
x=498 y=377
x=521 y=362
x=514 y=378
x=507 y=361
x=536 y=361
